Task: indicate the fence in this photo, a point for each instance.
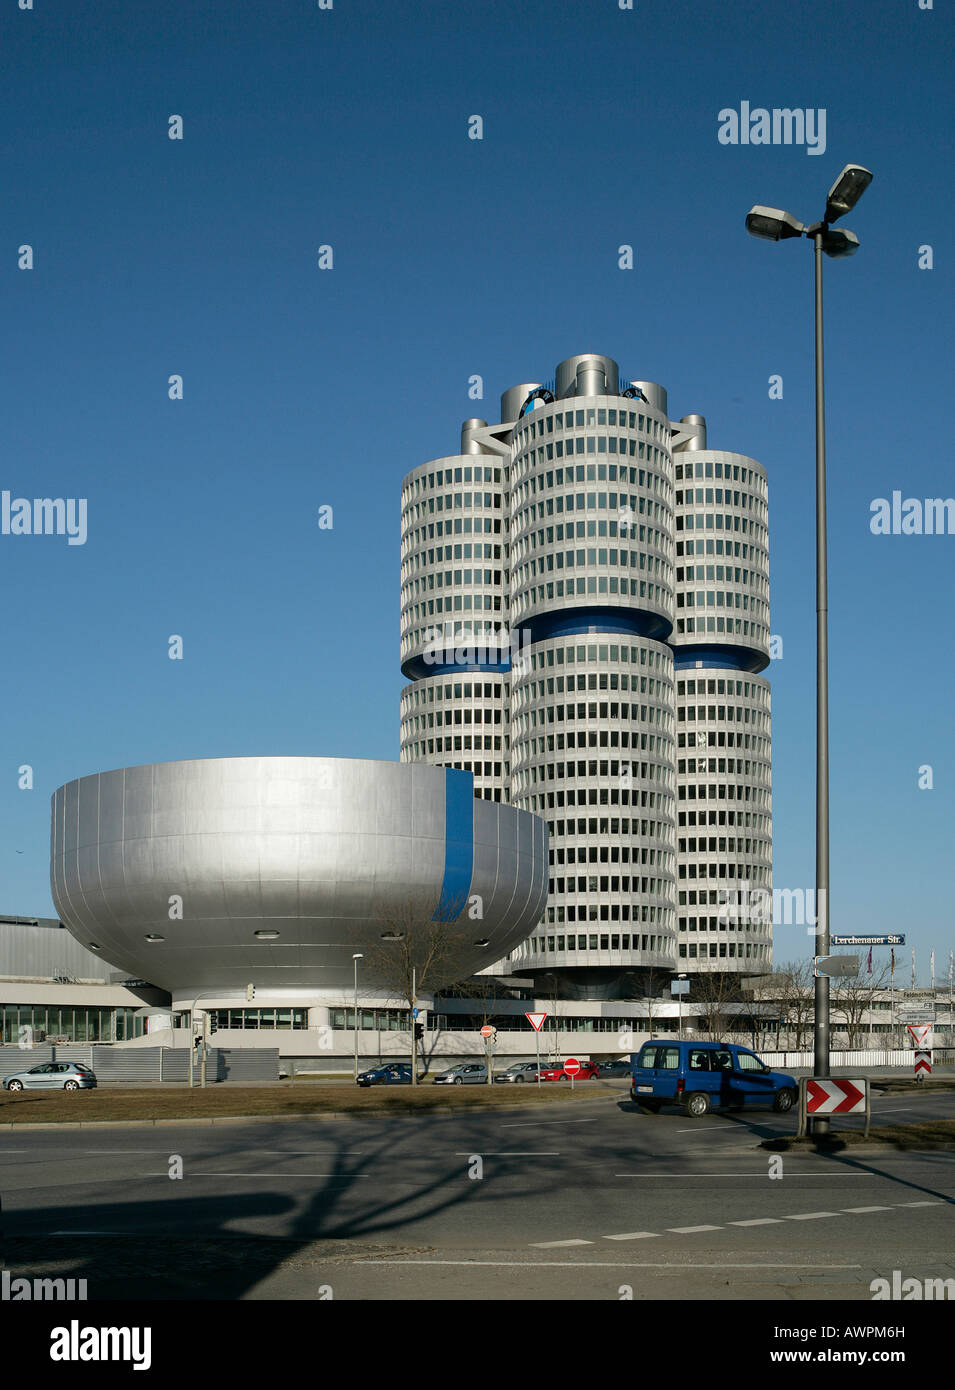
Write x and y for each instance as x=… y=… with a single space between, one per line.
x=866 y=1057
x=148 y=1063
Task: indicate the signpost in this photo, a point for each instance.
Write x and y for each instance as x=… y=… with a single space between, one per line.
x=679 y=987
x=536 y=1020
x=922 y=1037
x=489 y=1033
x=828 y=1096
x=571 y=1067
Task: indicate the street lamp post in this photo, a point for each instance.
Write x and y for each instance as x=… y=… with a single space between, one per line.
x=773 y=224
x=355 y=959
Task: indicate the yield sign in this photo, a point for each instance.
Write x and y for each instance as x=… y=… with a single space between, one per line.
x=825 y=1096
x=920 y=1032
x=536 y=1021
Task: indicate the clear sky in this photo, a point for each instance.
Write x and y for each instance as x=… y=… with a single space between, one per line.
x=304 y=387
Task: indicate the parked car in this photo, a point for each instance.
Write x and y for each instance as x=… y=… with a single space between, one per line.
x=706 y=1075
x=589 y=1071
x=519 y=1071
x=469 y=1073
x=393 y=1074
x=614 y=1069
x=52 y=1076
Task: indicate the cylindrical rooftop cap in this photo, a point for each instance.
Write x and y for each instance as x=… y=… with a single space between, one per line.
x=514 y=398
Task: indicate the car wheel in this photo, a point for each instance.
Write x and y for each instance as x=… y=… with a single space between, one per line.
x=519 y=1078
x=697 y=1104
x=459 y=1081
x=15 y=1086
x=71 y=1086
x=783 y=1100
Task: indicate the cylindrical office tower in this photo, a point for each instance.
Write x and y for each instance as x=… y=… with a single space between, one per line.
x=724 y=751
x=591 y=535
x=455 y=638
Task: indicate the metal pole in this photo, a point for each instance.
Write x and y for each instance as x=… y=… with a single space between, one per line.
x=204 y=1048
x=821 y=999
x=537 y=1038
x=414 y=1039
x=355 y=963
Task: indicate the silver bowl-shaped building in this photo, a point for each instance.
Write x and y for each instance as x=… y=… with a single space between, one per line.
x=214 y=873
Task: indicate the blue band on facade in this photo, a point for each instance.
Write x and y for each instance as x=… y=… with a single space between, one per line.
x=573 y=622
x=728 y=658
x=417 y=668
x=458 y=844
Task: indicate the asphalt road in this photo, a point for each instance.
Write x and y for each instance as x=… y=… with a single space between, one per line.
x=589 y=1202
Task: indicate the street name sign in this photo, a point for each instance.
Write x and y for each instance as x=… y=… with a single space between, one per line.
x=888 y=939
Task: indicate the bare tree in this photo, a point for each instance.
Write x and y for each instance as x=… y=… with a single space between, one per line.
x=852 y=997
x=790 y=986
x=712 y=991
x=414 y=954
x=646 y=987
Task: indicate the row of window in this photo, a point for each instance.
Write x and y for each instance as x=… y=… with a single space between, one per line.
x=721 y=598
x=751 y=689
x=718 y=924
x=728 y=791
x=545 y=422
x=742 y=627
x=732 y=471
x=281 y=1019
x=730 y=574
x=610 y=883
x=616 y=912
x=70 y=1024
x=730 y=817
x=741 y=766
x=709 y=497
x=444 y=477
x=739 y=550
x=594 y=584
x=608 y=854
x=741 y=950
x=598 y=796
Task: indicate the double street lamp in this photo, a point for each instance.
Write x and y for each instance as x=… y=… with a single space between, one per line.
x=773 y=224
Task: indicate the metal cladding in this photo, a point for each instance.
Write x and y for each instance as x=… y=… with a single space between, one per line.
x=470 y=445
x=173 y=870
x=514 y=398
x=695 y=426
x=587 y=374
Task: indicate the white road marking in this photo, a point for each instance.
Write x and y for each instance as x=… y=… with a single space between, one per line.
x=708 y=1129
x=759 y=1221
x=692 y=1230
x=536 y=1124
x=636 y=1235
x=862 y=1210
x=214 y=1173
x=921 y=1204
x=553 y=1244
x=747 y=1176
x=592 y=1264
x=508 y=1153
x=812 y=1215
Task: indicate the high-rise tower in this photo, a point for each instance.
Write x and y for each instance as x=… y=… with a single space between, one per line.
x=564 y=584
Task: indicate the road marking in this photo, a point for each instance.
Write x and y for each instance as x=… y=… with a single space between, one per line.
x=692 y=1230
x=553 y=1244
x=812 y=1215
x=508 y=1153
x=695 y=1129
x=591 y=1264
x=747 y=1176
x=921 y=1204
x=865 y=1209
x=636 y=1235
x=214 y=1173
x=759 y=1221
x=536 y=1124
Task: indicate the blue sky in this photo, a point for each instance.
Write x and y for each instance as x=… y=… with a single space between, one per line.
x=452 y=257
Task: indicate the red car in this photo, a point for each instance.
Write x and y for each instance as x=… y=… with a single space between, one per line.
x=589 y=1071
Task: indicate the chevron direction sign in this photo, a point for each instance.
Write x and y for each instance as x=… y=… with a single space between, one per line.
x=825 y=1096
x=923 y=1062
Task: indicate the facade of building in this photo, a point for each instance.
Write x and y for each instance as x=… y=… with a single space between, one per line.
x=584 y=616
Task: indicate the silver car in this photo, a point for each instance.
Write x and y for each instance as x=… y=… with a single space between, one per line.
x=51 y=1076
x=518 y=1071
x=467 y=1074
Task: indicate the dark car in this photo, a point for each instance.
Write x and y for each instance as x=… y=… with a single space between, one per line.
x=706 y=1075
x=394 y=1074
x=52 y=1076
x=614 y=1069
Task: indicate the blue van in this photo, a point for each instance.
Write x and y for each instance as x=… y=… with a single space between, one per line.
x=702 y=1076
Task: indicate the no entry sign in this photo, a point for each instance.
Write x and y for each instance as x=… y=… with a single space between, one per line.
x=571 y=1066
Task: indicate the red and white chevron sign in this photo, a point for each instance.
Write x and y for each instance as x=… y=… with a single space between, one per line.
x=923 y=1062
x=829 y=1097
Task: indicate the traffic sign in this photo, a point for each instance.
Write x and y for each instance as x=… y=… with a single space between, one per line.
x=836 y=965
x=913 y=1015
x=571 y=1066
x=488 y=1031
x=889 y=939
x=825 y=1096
x=414 y=1013
x=923 y=1062
x=679 y=986
x=921 y=1033
x=536 y=1021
